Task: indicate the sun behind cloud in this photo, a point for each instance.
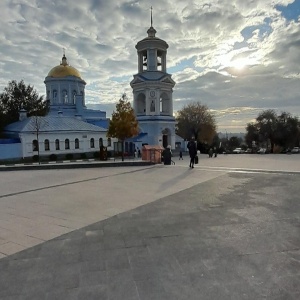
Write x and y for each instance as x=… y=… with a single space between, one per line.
x=242 y=63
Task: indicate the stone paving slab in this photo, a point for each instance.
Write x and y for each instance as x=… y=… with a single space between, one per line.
x=234 y=236
x=39 y=205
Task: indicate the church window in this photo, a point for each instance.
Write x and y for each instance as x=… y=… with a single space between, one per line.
x=54 y=95
x=100 y=142
x=178 y=145
x=57 y=144
x=92 y=143
x=109 y=142
x=152 y=106
x=74 y=97
x=76 y=143
x=47 y=145
x=65 y=96
x=67 y=144
x=35 y=145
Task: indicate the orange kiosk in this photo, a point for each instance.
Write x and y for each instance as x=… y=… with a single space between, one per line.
x=152 y=153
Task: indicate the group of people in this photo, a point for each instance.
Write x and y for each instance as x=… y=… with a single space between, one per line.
x=137 y=153
x=213 y=152
x=192 y=147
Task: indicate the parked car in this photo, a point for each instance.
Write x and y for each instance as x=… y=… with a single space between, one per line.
x=288 y=151
x=249 y=150
x=296 y=150
x=262 y=151
x=238 y=151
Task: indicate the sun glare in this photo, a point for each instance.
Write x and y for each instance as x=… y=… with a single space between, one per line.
x=237 y=64
x=240 y=64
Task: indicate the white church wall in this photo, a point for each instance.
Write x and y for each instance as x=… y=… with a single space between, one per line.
x=155 y=132
x=84 y=143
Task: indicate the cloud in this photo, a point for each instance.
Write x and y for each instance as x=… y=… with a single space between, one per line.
x=239 y=56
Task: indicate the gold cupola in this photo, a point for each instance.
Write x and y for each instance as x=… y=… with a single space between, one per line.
x=63 y=70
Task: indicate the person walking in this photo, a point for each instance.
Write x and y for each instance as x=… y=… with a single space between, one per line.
x=216 y=152
x=192 y=146
x=180 y=155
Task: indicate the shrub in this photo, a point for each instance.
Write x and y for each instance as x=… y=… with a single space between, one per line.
x=96 y=154
x=69 y=156
x=35 y=158
x=277 y=149
x=83 y=155
x=52 y=157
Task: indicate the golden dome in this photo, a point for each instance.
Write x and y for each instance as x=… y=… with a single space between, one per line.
x=63 y=70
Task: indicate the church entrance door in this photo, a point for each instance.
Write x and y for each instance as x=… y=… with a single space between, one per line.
x=165 y=141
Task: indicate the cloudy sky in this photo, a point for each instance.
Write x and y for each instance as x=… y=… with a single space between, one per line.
x=238 y=57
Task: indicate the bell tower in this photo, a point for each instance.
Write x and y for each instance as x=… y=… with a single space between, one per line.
x=152 y=91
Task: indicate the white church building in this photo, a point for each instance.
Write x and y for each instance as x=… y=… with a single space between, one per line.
x=69 y=127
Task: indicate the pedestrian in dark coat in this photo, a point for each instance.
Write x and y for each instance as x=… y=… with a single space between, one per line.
x=192 y=146
x=216 y=152
x=180 y=155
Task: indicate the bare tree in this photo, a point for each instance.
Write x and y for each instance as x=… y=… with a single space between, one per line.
x=37 y=123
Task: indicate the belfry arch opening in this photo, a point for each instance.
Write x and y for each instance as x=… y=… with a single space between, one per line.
x=141 y=104
x=164 y=105
x=152 y=60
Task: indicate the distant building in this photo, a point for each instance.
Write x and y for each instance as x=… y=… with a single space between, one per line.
x=228 y=135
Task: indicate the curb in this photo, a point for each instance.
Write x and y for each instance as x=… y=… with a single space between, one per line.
x=71 y=165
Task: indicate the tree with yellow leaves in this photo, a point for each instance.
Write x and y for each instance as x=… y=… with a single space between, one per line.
x=123 y=123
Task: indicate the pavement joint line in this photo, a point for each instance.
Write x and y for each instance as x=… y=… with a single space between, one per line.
x=243 y=170
x=70 y=183
x=266 y=252
x=254 y=170
x=37 y=238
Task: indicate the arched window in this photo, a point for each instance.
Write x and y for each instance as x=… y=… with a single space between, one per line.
x=54 y=96
x=74 y=97
x=57 y=144
x=47 y=145
x=76 y=143
x=109 y=142
x=67 y=144
x=35 y=145
x=92 y=143
x=65 y=96
x=100 y=142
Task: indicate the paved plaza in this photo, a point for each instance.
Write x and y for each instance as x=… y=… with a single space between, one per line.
x=227 y=229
